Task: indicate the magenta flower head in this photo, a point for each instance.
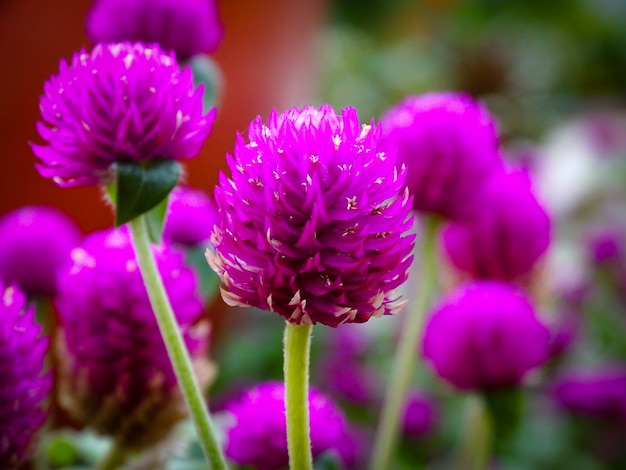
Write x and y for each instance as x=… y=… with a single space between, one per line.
x=35 y=242
x=258 y=434
x=420 y=415
x=599 y=393
x=485 y=335
x=505 y=234
x=314 y=222
x=23 y=386
x=115 y=374
x=449 y=144
x=187 y=27
x=122 y=102
x=191 y=216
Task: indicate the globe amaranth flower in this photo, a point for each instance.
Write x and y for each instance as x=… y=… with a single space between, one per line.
x=188 y=28
x=35 y=241
x=120 y=103
x=313 y=224
x=115 y=373
x=599 y=392
x=420 y=415
x=257 y=435
x=449 y=144
x=23 y=387
x=505 y=233
x=191 y=216
x=485 y=335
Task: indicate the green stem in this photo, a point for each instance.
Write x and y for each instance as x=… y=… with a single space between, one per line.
x=406 y=355
x=474 y=447
x=175 y=344
x=296 y=369
x=114 y=459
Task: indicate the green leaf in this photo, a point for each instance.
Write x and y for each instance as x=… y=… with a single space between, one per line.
x=155 y=220
x=206 y=72
x=61 y=452
x=142 y=186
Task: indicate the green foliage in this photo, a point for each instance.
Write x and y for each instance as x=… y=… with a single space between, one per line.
x=141 y=187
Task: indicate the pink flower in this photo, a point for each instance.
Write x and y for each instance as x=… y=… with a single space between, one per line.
x=120 y=103
x=314 y=222
x=448 y=143
x=35 y=242
x=115 y=374
x=186 y=27
x=258 y=434
x=485 y=335
x=505 y=234
x=22 y=387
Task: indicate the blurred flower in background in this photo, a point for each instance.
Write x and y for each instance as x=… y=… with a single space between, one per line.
x=187 y=27
x=505 y=232
x=24 y=386
x=115 y=374
x=190 y=218
x=35 y=243
x=449 y=144
x=485 y=335
x=258 y=433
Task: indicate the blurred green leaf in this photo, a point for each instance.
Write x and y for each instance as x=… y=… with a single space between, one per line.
x=140 y=187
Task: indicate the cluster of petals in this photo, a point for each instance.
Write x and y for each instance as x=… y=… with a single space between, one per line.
x=116 y=374
x=23 y=387
x=123 y=102
x=420 y=415
x=595 y=392
x=449 y=143
x=187 y=27
x=485 y=335
x=190 y=218
x=35 y=242
x=314 y=222
x=257 y=435
x=505 y=232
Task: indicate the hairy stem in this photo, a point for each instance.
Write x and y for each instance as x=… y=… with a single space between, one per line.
x=175 y=344
x=297 y=343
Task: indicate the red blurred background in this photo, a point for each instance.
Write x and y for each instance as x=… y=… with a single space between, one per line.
x=266 y=57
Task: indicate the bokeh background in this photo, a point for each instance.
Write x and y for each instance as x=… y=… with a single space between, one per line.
x=538 y=65
x=552 y=72
x=534 y=62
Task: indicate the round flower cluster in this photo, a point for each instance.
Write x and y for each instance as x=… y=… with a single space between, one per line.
x=485 y=335
x=190 y=217
x=120 y=103
x=258 y=434
x=506 y=232
x=314 y=222
x=188 y=28
x=449 y=144
x=35 y=242
x=115 y=372
x=23 y=387
x=599 y=392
